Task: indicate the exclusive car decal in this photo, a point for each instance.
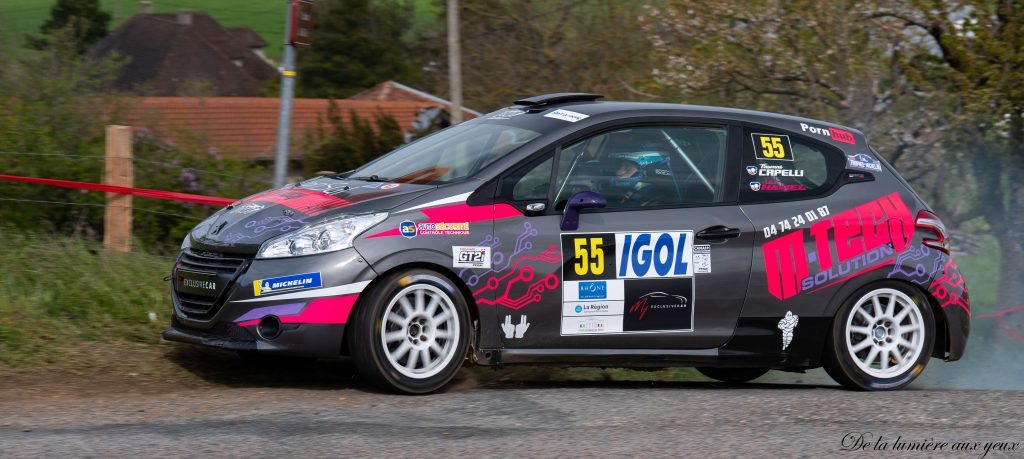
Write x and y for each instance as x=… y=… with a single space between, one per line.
x=628 y=282
x=333 y=310
x=864 y=237
x=346 y=289
x=275 y=285
x=787 y=325
x=517 y=330
x=838 y=135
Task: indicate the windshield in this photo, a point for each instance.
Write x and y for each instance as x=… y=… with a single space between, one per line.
x=447 y=156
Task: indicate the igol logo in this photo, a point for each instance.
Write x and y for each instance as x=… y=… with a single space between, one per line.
x=407 y=228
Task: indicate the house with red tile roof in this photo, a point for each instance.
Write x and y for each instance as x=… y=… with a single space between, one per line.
x=246 y=127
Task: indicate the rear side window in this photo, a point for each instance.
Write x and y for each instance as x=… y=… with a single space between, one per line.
x=783 y=166
x=645 y=167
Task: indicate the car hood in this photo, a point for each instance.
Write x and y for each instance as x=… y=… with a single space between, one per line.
x=244 y=226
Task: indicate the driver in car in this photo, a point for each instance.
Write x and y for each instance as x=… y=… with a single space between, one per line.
x=628 y=186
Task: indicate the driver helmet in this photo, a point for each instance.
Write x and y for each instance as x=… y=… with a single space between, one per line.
x=631 y=167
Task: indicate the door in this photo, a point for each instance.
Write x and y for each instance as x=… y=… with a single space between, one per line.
x=663 y=265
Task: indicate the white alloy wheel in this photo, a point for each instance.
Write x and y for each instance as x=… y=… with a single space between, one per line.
x=420 y=331
x=885 y=333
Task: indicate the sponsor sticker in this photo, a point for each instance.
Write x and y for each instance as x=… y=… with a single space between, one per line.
x=443 y=229
x=755 y=186
x=775 y=185
x=408 y=229
x=566 y=115
x=863 y=161
x=295 y=282
x=775 y=170
x=196 y=283
x=629 y=282
x=471 y=257
x=702 y=259
x=389 y=186
x=838 y=135
x=751 y=170
x=772 y=147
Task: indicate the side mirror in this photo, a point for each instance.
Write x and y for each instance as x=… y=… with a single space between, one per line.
x=578 y=201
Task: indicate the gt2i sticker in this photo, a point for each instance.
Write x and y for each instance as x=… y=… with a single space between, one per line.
x=471 y=257
x=796 y=221
x=863 y=238
x=629 y=282
x=773 y=147
x=863 y=161
x=261 y=287
x=838 y=135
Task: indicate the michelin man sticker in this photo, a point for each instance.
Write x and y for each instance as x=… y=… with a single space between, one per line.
x=787 y=324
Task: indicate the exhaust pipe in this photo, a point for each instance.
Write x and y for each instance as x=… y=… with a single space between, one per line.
x=269 y=327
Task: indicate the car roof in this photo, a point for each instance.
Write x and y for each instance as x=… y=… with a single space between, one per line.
x=593 y=108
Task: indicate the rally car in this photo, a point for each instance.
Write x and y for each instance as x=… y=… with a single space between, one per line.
x=566 y=230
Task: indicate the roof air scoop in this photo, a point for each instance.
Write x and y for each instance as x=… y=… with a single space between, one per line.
x=558 y=97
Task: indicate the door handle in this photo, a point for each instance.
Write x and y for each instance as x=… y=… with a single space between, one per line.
x=718 y=232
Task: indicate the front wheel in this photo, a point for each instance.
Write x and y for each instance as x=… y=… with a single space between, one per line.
x=411 y=332
x=881 y=338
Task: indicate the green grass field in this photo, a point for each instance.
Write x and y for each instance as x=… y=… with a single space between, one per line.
x=21 y=17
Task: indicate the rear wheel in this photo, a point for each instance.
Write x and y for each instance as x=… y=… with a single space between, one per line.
x=881 y=338
x=732 y=375
x=410 y=333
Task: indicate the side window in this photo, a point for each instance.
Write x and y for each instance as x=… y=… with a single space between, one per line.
x=784 y=166
x=529 y=183
x=643 y=167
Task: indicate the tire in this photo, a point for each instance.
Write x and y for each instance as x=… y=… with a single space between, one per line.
x=883 y=344
x=410 y=332
x=732 y=375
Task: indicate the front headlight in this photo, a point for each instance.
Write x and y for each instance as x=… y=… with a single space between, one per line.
x=323 y=237
x=186 y=243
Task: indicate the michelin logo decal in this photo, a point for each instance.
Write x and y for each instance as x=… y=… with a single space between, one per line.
x=262 y=287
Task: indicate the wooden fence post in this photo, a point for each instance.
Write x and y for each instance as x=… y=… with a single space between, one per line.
x=117 y=220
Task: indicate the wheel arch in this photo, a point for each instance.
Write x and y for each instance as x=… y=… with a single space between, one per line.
x=940 y=347
x=422 y=260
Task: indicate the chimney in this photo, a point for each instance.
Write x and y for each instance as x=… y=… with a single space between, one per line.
x=185 y=17
x=146 y=7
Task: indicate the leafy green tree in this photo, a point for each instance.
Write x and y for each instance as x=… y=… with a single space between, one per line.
x=356 y=44
x=976 y=56
x=85 y=18
x=342 y=146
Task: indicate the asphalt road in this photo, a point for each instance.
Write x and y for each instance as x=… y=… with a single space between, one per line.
x=340 y=418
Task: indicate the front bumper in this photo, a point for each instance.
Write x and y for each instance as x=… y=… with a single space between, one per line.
x=312 y=319
x=299 y=340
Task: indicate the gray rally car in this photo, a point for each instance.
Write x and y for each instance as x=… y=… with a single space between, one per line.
x=564 y=230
